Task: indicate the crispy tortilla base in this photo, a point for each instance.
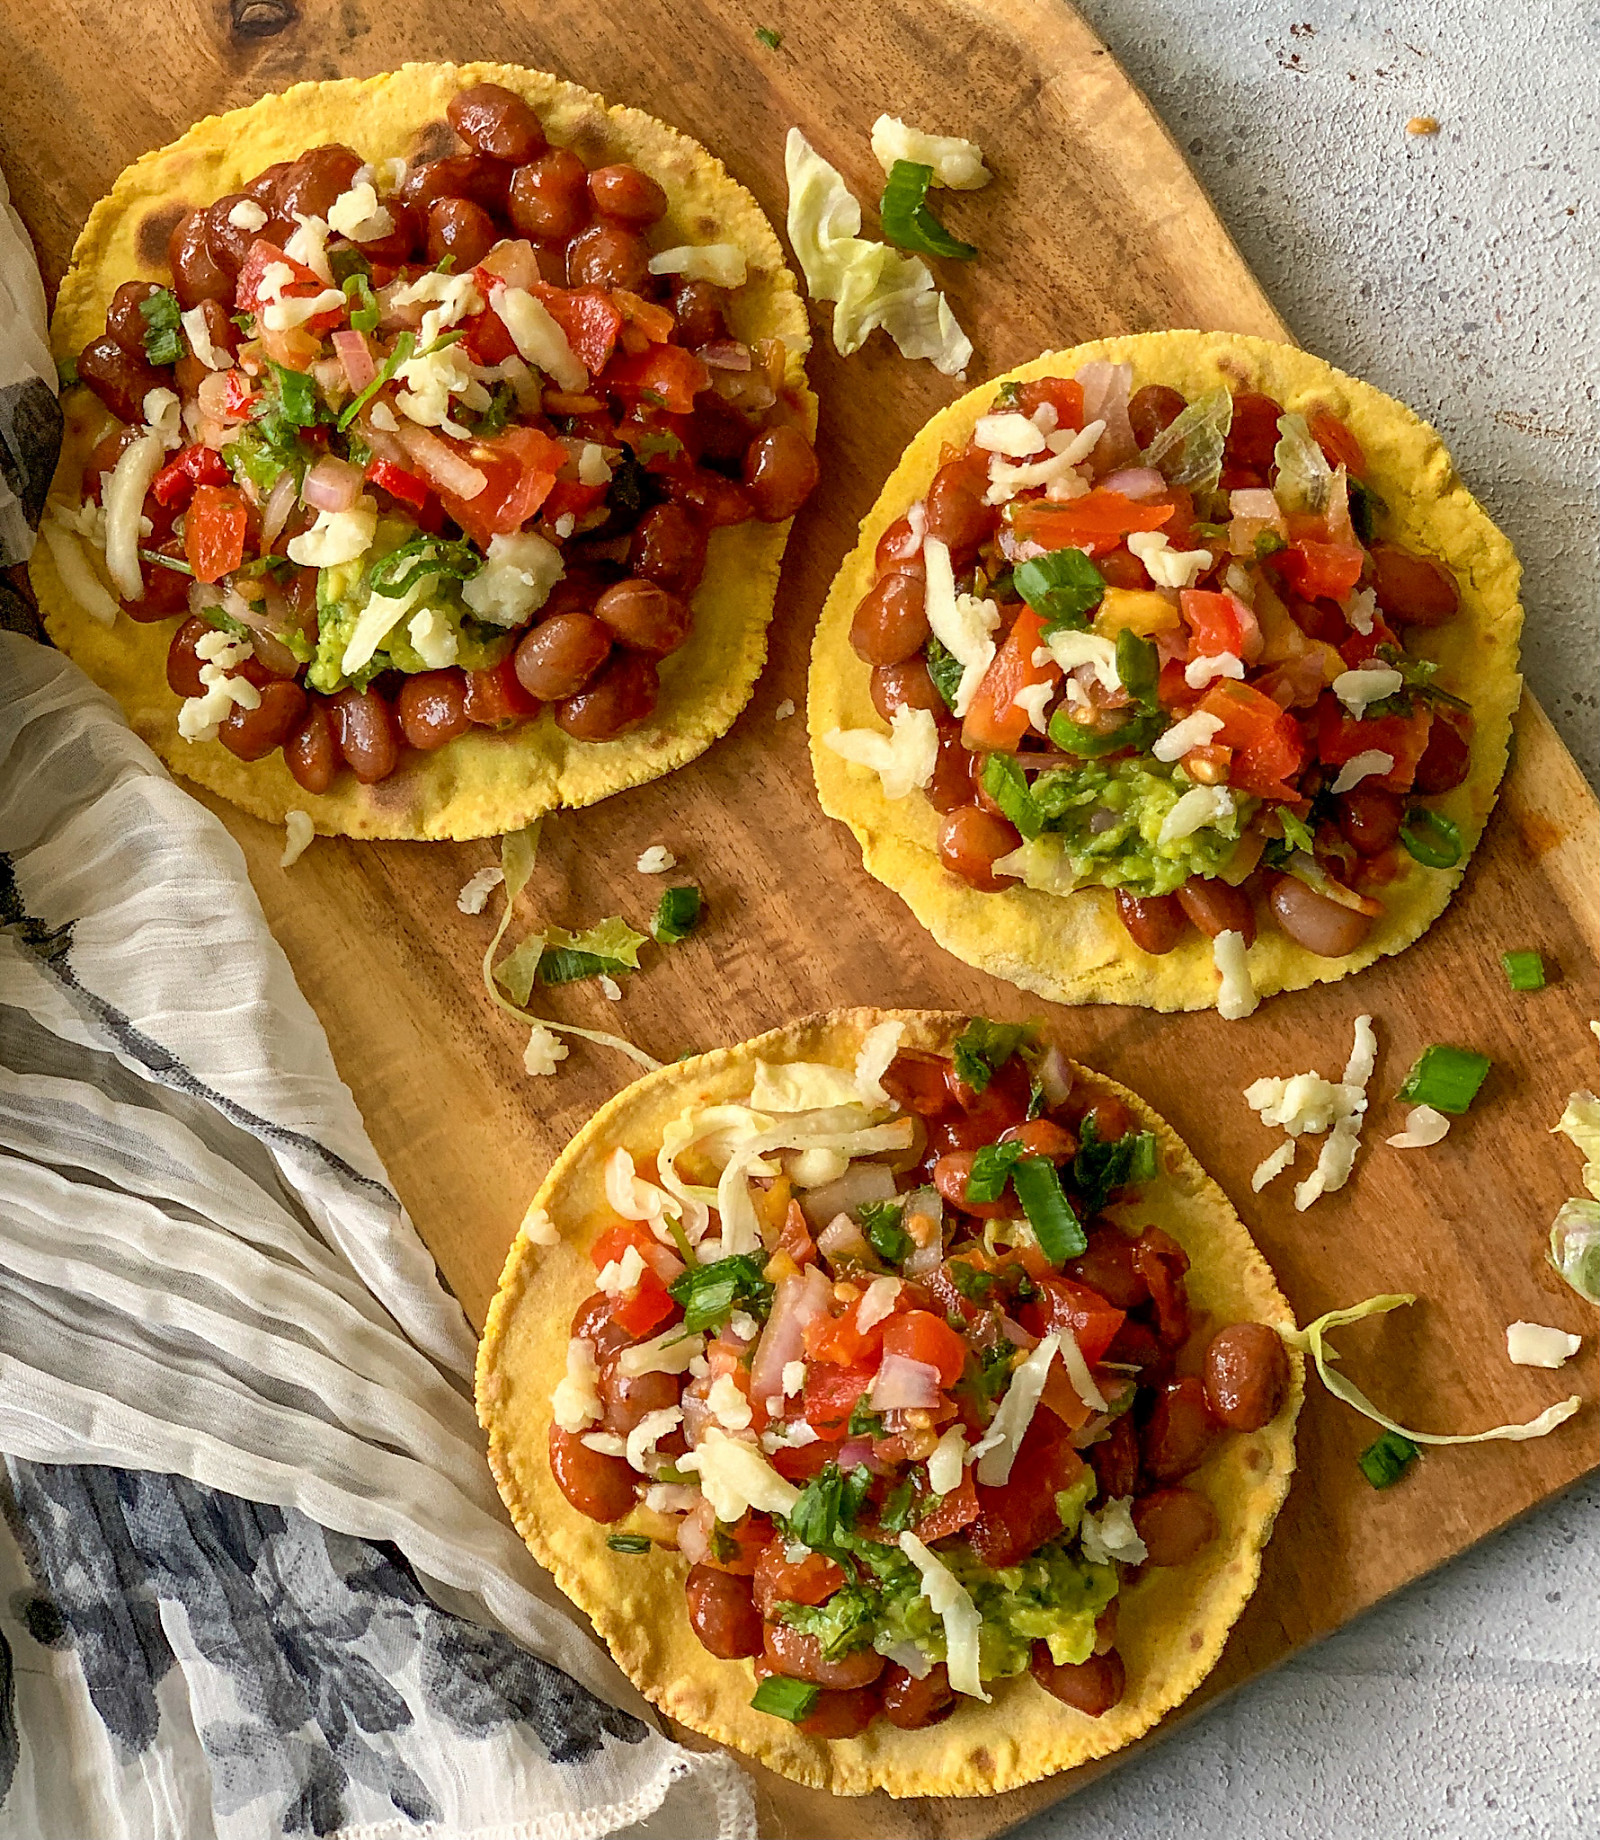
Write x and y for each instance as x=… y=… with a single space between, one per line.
x=483 y=782
x=1173 y=1623
x=1073 y=948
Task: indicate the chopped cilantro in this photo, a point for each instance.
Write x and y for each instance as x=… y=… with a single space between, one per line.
x=880 y=1221
x=1103 y=1165
x=711 y=1293
x=827 y=1507
x=991 y=1170
x=864 y=1422
x=1008 y=395
x=297 y=396
x=983 y=1048
x=945 y=670
x=164 y=342
x=899 y=1507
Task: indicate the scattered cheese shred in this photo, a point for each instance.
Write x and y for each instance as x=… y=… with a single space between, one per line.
x=957 y=164
x=997 y=1450
x=956 y=1610
x=475 y=891
x=1424 y=1126
x=1533 y=1345
x=298 y=832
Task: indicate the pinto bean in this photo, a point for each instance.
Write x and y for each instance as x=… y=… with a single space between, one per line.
x=903 y=685
x=560 y=655
x=459 y=175
x=957 y=515
x=597 y=1485
x=950 y=1175
x=1370 y=818
x=227 y=243
x=668 y=547
x=1111 y=1267
x=1412 y=590
x=625 y=193
x=899 y=550
x=1115 y=1460
x=315 y=180
x=1093 y=1686
x=1447 y=758
x=699 y=307
x=722 y=1612
x=1313 y=920
x=1246 y=1375
x=195 y=273
x=549 y=196
x=496 y=121
x=432 y=708
x=642 y=614
x=252 y=734
x=1174 y=1524
x=1180 y=1431
x=625 y=1399
x=1153 y=410
x=1155 y=922
x=623 y=695
x=840 y=1714
x=368 y=735
x=183 y=661
x=119 y=378
x=891 y=621
x=1215 y=907
x=914 y=1704
x=458 y=227
x=608 y=255
x=780 y=472
x=311 y=753
x=954 y=781
x=125 y=322
x=971 y=841
x=799 y=1656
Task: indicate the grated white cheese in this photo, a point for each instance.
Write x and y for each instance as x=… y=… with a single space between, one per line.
x=878 y=1303
x=956 y=1610
x=1199 y=672
x=794 y=1377
x=1009 y=1426
x=657 y=860
x=1193 y=731
x=337 y=536
x=358 y=215
x=477 y=888
x=538 y=1228
x=784 y=710
x=516 y=579
x=1077 y=1371
x=956 y=163
x=671 y=1497
x=199 y=337
x=962 y=624
x=1361 y=610
x=1035 y=700
x=1424 y=1127
x=1200 y=808
x=728 y=1405
x=1009 y=432
x=1370 y=684
x=1236 y=995
x=610 y=989
x=298 y=832
x=670 y=1352
x=1532 y=1345
x=619 y=1276
x=538 y=337
x=1111 y=1535
x=1271 y=1166
x=607 y=1443
x=816 y=1167
x=247 y=215
x=904 y=759
x=1168 y=567
x=200 y=717
x=544 y=1052
x=435 y=638
x=576 y=1400
x=1363 y=766
x=724 y=264
x=1071 y=650
x=946 y=1461
x=1305 y=1103
x=308 y=245
x=735 y=1477
x=641 y=1442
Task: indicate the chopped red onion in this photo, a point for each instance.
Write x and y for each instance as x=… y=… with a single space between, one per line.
x=1136 y=482
x=794 y=1303
x=440 y=462
x=331 y=485
x=725 y=355
x=280 y=502
x=860 y=1183
x=903 y=1384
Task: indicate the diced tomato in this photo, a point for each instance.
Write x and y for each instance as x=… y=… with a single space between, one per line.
x=958 y=1509
x=237 y=397
x=666 y=374
x=795 y=1237
x=738 y=1548
x=616 y=1240
x=302 y=285
x=520 y=466
x=1320 y=571
x=841 y=1340
x=645 y=1307
x=1360 y=648
x=832 y=1394
x=1339 y=446
x=780 y=1580
x=1173 y=689
x=214 y=531
x=496 y=698
x=1017 y=1518
x=590 y=320
x=1096 y=522
x=800 y=1462
x=1214 y=620
x=190 y=467
x=994 y=723
x=398 y=483
x=1063 y=1303
x=919 y=1335
x=1061 y=1397
x=571 y=495
x=1268 y=748
x=485 y=339
x=1340 y=737
x=655 y=322
x=1064 y=394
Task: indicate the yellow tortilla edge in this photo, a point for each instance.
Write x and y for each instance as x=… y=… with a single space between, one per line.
x=484 y=782
x=1073 y=948
x=1173 y=1623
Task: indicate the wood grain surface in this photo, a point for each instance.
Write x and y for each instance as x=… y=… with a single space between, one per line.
x=1093 y=226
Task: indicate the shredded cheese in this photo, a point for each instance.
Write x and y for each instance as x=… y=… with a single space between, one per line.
x=538 y=337
x=999 y=1445
x=956 y=163
x=1199 y=672
x=298 y=832
x=721 y=263
x=477 y=888
x=904 y=759
x=962 y=624
x=576 y=1400
x=670 y=1352
x=1193 y=731
x=516 y=580
x=1168 y=567
x=1370 y=684
x=1363 y=766
x=946 y=1461
x=1111 y=1535
x=956 y=1610
x=735 y=1477
x=1236 y=994
x=1532 y=1345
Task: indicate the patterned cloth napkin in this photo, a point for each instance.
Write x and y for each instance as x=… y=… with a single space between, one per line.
x=254 y=1575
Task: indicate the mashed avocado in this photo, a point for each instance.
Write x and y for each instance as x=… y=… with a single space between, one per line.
x=451 y=635
x=1101 y=824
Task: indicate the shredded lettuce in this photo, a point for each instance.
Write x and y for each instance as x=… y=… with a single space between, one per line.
x=1304 y=482
x=1575 y=1232
x=1189 y=451
x=1312 y=1340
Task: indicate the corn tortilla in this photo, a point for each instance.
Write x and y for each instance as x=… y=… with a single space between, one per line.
x=483 y=782
x=1073 y=948
x=1173 y=1622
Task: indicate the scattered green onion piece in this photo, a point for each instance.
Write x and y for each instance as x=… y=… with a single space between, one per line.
x=345 y=263
x=1063 y=588
x=864 y=1422
x=768 y=37
x=1431 y=837
x=363 y=317
x=1445 y=1078
x=403 y=348
x=1056 y=1227
x=1007 y=785
x=1268 y=543
x=629 y=1542
x=1090 y=743
x=67 y=373
x=1007 y=396
x=784 y=1698
x=177 y=567
x=677 y=915
x=899 y=1508
x=1139 y=667
x=1524 y=969
x=907 y=221
x=1296 y=832
x=1385 y=1462
x=400 y=571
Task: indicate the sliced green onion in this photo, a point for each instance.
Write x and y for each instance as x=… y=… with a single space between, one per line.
x=403 y=348
x=677 y=915
x=1268 y=543
x=1007 y=396
x=400 y=571
x=909 y=223
x=768 y=37
x=182 y=568
x=1431 y=837
x=785 y=1698
x=1063 y=588
x=364 y=316
x=1445 y=1078
x=1058 y=1230
x=864 y=1422
x=1007 y=785
x=1524 y=969
x=1139 y=667
x=991 y=1170
x=629 y=1542
x=1385 y=1462
x=1090 y=743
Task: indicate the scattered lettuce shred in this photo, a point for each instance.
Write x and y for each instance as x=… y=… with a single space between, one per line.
x=1189 y=450
x=1575 y=1231
x=1305 y=482
x=1312 y=1340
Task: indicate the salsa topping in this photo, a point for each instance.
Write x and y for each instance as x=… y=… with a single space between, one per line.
x=431 y=446
x=888 y=1354
x=1132 y=641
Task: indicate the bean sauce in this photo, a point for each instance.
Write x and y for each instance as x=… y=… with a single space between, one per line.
x=914 y=1704
x=1180 y=1431
x=596 y=1485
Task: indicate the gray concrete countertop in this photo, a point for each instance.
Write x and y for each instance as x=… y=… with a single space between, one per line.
x=1458 y=272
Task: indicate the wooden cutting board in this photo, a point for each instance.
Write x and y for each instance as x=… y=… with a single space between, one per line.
x=1094 y=225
